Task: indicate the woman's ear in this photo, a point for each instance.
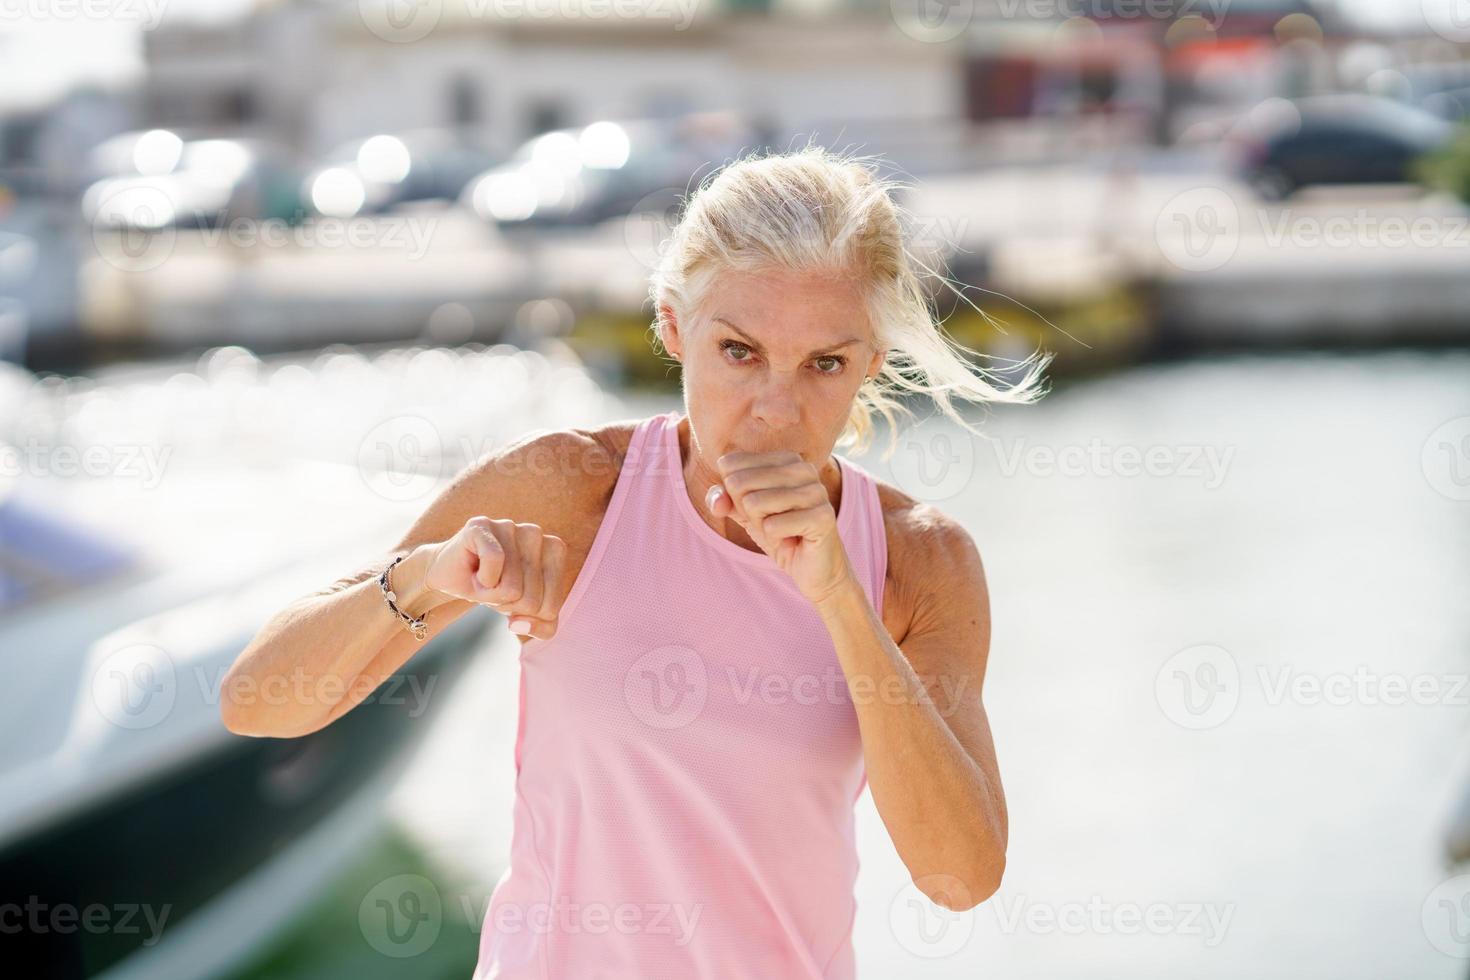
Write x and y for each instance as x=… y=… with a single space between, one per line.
x=668 y=332
x=875 y=364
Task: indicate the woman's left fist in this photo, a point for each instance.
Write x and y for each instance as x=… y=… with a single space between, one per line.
x=779 y=499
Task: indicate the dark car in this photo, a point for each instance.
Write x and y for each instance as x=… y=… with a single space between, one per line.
x=1344 y=139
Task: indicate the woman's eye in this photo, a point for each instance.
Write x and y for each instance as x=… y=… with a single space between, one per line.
x=834 y=362
x=731 y=345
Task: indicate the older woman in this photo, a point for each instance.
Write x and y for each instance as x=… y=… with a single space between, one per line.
x=726 y=630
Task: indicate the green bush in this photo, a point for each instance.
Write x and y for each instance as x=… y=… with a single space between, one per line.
x=1449 y=168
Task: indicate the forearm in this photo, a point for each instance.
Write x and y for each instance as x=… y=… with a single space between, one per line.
x=946 y=815
x=315 y=653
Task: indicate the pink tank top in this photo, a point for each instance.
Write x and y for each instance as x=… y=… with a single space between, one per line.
x=687 y=757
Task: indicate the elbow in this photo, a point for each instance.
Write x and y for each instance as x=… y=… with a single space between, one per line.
x=962 y=892
x=230 y=713
x=243 y=712
x=239 y=721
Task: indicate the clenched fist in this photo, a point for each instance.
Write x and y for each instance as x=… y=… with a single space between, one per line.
x=512 y=568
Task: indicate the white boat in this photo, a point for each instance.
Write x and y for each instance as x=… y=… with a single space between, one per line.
x=125 y=598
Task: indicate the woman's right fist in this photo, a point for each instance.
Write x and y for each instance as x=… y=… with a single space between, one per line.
x=513 y=568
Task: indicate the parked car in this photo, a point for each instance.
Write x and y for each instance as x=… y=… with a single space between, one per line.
x=584 y=175
x=159 y=179
x=1341 y=139
x=380 y=172
x=1442 y=88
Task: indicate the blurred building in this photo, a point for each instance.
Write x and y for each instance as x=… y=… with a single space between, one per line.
x=313 y=75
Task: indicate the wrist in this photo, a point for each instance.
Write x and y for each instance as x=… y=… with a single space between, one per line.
x=845 y=597
x=408 y=581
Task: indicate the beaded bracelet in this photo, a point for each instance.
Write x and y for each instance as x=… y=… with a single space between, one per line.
x=417 y=626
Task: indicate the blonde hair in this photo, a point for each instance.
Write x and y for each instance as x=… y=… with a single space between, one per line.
x=817 y=210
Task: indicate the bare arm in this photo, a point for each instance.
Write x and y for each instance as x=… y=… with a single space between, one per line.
x=926 y=739
x=324 y=653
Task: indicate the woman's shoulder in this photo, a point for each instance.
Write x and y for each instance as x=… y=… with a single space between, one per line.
x=925 y=546
x=572 y=472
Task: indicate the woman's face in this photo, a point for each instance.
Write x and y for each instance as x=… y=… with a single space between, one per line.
x=774 y=362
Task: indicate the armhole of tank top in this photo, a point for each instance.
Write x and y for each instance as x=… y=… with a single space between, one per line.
x=880 y=544
x=880 y=571
x=601 y=539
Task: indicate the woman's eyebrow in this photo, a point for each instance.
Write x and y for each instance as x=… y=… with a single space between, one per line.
x=755 y=345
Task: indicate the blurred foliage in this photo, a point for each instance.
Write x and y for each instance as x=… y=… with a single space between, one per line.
x=328 y=943
x=1087 y=334
x=1449 y=168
